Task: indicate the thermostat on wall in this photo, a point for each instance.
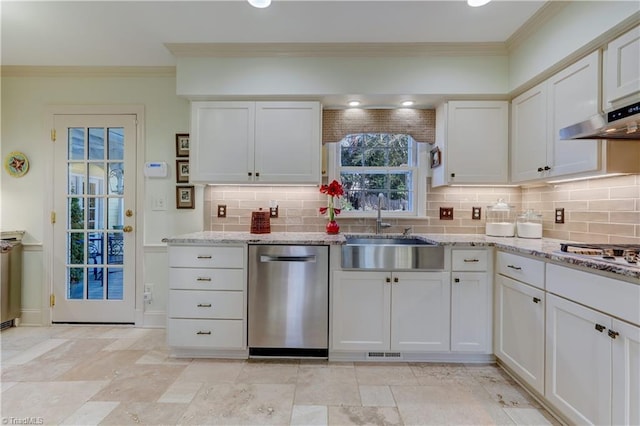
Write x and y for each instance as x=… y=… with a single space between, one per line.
x=155 y=169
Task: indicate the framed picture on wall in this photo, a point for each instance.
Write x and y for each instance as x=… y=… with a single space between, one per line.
x=185 y=197
x=182 y=144
x=182 y=171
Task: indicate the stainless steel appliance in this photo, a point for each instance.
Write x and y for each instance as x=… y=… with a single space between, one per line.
x=620 y=123
x=288 y=301
x=10 y=280
x=620 y=254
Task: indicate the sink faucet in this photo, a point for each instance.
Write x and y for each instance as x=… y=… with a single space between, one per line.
x=379 y=223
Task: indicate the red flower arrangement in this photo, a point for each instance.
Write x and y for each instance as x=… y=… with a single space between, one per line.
x=334 y=189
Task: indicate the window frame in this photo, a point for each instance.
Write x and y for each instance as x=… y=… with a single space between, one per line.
x=419 y=181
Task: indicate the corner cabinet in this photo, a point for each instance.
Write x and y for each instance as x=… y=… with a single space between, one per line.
x=255 y=142
x=570 y=96
x=390 y=311
x=474 y=139
x=622 y=68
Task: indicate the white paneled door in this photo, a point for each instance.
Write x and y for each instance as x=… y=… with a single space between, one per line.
x=93 y=231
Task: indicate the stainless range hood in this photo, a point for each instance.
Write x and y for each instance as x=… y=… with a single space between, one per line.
x=620 y=123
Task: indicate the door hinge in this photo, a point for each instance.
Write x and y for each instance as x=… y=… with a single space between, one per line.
x=53 y=135
x=53 y=217
x=52 y=300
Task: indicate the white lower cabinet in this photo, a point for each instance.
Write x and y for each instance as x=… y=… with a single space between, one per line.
x=519 y=332
x=578 y=372
x=593 y=346
x=381 y=311
x=471 y=302
x=207 y=300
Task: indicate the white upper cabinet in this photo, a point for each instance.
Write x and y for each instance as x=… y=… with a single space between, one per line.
x=255 y=142
x=571 y=96
x=622 y=68
x=474 y=139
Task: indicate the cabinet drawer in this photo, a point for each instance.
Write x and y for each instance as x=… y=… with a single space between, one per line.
x=469 y=260
x=206 y=304
x=206 y=257
x=525 y=269
x=199 y=333
x=206 y=279
x=614 y=297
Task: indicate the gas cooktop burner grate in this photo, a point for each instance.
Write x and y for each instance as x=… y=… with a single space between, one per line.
x=618 y=253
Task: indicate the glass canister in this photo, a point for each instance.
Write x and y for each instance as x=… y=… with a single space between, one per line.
x=529 y=224
x=500 y=220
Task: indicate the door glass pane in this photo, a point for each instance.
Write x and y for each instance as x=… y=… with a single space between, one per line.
x=76 y=248
x=76 y=144
x=115 y=216
x=96 y=178
x=76 y=213
x=75 y=178
x=116 y=178
x=75 y=278
x=115 y=248
x=116 y=143
x=96 y=144
x=95 y=286
x=95 y=215
x=114 y=284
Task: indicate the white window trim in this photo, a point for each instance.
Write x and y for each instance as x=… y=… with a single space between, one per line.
x=422 y=150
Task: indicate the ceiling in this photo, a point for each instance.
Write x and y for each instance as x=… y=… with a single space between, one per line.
x=140 y=33
x=128 y=33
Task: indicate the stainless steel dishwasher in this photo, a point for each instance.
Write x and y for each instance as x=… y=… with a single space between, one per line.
x=288 y=301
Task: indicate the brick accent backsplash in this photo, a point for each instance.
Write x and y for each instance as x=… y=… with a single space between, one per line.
x=603 y=210
x=419 y=123
x=597 y=210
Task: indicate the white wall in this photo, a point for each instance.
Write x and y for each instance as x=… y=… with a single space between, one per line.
x=24 y=104
x=577 y=25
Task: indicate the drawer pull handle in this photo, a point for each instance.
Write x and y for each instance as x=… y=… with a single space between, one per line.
x=204 y=305
x=517 y=268
x=613 y=334
x=536 y=300
x=600 y=328
x=204 y=256
x=203 y=332
x=204 y=279
x=471 y=260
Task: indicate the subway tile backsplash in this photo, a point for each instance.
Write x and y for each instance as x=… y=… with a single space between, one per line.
x=598 y=210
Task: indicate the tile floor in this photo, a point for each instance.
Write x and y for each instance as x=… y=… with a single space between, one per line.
x=121 y=375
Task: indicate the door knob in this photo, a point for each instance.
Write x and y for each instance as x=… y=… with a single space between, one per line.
x=128 y=213
x=128 y=228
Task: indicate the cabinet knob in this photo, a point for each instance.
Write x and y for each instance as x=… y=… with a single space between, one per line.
x=540 y=169
x=388 y=279
x=453 y=175
x=257 y=174
x=547 y=168
x=613 y=334
x=395 y=279
x=249 y=174
x=456 y=280
x=536 y=300
x=600 y=328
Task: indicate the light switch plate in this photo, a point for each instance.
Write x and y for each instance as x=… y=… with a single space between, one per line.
x=446 y=213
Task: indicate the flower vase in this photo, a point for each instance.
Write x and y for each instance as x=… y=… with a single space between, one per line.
x=333 y=227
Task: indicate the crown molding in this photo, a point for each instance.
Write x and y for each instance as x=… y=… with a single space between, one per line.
x=85 y=71
x=324 y=50
x=546 y=12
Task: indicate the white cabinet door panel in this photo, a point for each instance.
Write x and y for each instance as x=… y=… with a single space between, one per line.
x=622 y=65
x=626 y=374
x=471 y=308
x=529 y=134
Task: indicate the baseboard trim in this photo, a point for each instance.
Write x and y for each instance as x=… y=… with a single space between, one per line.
x=154 y=319
x=446 y=357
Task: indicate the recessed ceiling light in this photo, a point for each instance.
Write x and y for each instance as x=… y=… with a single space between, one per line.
x=354 y=103
x=476 y=3
x=407 y=103
x=260 y=4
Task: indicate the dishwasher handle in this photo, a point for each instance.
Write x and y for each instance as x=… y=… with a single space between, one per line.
x=305 y=259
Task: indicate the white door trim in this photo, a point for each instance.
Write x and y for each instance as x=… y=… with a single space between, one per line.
x=51 y=111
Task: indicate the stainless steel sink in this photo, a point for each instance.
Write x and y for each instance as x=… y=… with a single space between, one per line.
x=391 y=253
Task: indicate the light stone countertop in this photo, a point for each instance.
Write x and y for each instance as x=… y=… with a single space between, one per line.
x=545 y=248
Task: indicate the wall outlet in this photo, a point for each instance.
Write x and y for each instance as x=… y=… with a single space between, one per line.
x=560 y=215
x=222 y=210
x=446 y=213
x=273 y=212
x=476 y=213
x=159 y=203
